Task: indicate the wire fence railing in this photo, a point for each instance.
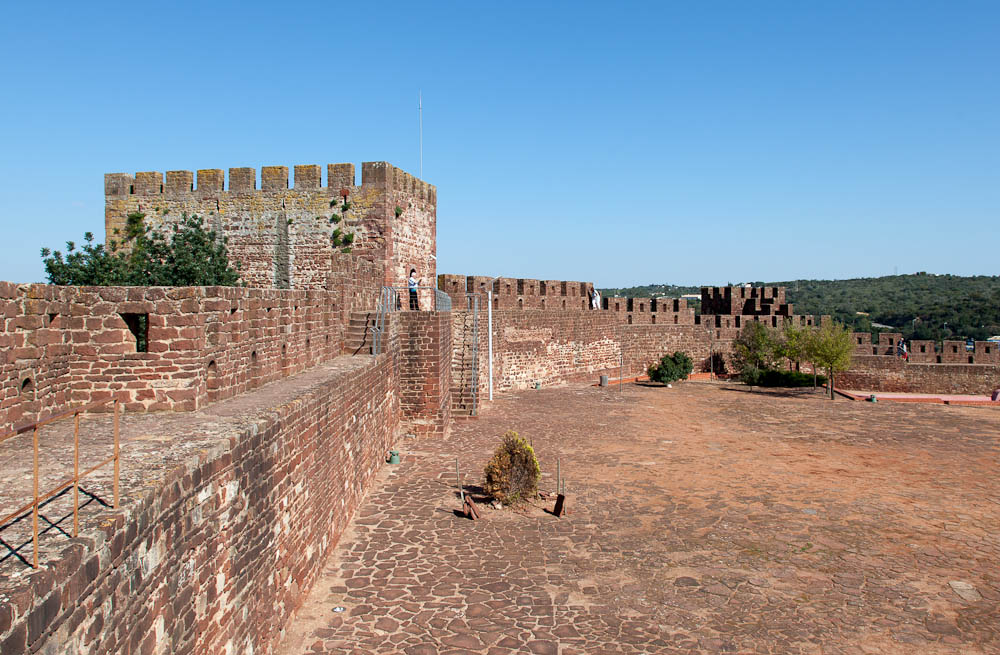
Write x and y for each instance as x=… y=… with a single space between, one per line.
x=399 y=299
x=43 y=497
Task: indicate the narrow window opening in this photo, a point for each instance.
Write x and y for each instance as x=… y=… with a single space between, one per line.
x=564 y=304
x=923 y=349
x=954 y=349
x=737 y=319
x=138 y=325
x=939 y=359
x=859 y=341
x=27 y=385
x=970 y=359
x=675 y=319
x=53 y=316
x=875 y=350
x=654 y=319
x=253 y=358
x=987 y=350
x=630 y=319
x=520 y=303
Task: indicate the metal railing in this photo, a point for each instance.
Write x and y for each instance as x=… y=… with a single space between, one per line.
x=41 y=499
x=472 y=305
x=391 y=300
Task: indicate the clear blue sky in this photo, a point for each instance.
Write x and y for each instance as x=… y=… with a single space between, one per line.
x=692 y=143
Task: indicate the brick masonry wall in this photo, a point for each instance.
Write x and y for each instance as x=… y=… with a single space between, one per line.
x=881 y=373
x=552 y=347
x=425 y=371
x=217 y=556
x=62 y=345
x=280 y=234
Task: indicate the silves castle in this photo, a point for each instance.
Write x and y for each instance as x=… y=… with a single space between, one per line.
x=216 y=545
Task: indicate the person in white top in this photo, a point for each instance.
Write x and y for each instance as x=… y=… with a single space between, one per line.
x=411 y=283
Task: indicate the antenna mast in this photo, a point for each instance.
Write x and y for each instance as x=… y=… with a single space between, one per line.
x=420 y=113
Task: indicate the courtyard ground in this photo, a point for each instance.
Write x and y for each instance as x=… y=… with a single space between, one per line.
x=704 y=519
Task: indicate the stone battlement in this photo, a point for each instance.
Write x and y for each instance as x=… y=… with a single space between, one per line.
x=927 y=351
x=308 y=177
x=280 y=232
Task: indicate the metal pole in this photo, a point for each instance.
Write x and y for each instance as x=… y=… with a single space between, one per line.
x=76 y=474
x=558 y=474
x=420 y=111
x=34 y=509
x=116 y=453
x=458 y=478
x=489 y=329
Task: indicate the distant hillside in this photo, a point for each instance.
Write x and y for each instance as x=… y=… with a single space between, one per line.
x=921 y=306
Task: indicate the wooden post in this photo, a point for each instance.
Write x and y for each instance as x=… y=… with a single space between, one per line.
x=34 y=507
x=76 y=474
x=116 y=454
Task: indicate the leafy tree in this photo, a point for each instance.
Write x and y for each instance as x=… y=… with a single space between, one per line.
x=792 y=344
x=191 y=257
x=671 y=367
x=754 y=350
x=830 y=347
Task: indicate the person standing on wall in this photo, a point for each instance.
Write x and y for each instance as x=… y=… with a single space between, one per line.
x=411 y=283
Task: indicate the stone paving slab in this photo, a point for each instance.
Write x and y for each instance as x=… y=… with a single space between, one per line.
x=704 y=519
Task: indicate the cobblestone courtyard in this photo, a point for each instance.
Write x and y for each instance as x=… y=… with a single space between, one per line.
x=705 y=519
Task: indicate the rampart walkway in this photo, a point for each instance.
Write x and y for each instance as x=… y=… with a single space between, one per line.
x=705 y=519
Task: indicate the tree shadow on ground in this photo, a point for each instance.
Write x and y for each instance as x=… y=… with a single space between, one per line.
x=779 y=392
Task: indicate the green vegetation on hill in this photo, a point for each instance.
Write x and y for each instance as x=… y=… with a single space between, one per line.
x=921 y=306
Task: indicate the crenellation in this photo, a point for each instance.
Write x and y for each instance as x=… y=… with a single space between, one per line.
x=274 y=178
x=339 y=176
x=308 y=177
x=149 y=183
x=118 y=184
x=179 y=182
x=242 y=180
x=210 y=181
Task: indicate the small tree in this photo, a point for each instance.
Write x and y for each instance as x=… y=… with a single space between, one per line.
x=830 y=347
x=754 y=350
x=671 y=367
x=513 y=473
x=192 y=256
x=793 y=343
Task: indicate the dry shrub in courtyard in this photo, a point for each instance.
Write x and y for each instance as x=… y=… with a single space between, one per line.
x=512 y=475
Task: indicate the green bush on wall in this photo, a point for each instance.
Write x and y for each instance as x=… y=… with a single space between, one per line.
x=671 y=368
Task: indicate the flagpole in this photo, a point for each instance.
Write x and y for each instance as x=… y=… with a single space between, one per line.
x=420 y=112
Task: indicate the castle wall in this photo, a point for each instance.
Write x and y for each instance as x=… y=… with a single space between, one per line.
x=880 y=373
x=215 y=557
x=425 y=356
x=548 y=347
x=63 y=345
x=280 y=233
